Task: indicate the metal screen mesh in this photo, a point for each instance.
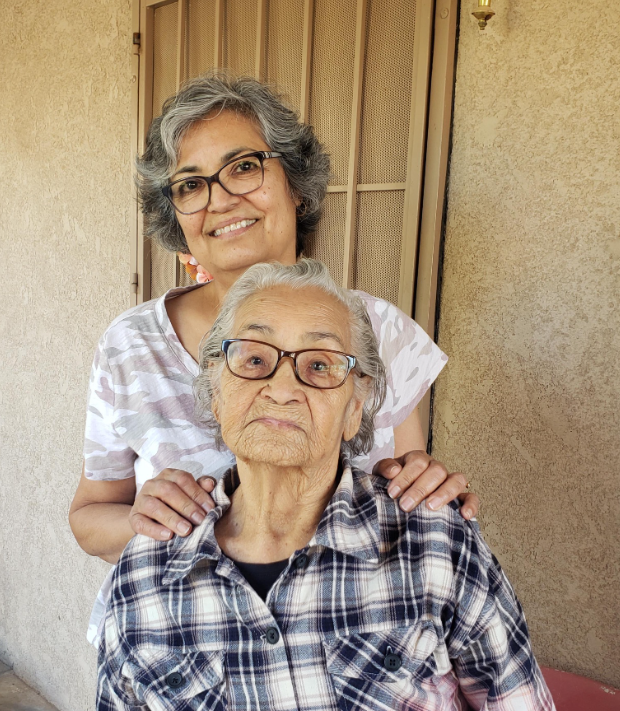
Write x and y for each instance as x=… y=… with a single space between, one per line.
x=377 y=254
x=201 y=36
x=163 y=270
x=165 y=55
x=284 y=43
x=386 y=98
x=328 y=243
x=240 y=36
x=331 y=89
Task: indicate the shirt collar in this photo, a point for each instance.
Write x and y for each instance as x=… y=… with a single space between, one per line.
x=184 y=554
x=349 y=524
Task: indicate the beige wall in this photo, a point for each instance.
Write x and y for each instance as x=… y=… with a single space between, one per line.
x=528 y=405
x=64 y=256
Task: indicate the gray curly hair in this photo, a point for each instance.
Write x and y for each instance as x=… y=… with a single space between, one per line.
x=304 y=160
x=304 y=274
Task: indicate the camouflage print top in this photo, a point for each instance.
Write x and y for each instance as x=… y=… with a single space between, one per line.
x=140 y=417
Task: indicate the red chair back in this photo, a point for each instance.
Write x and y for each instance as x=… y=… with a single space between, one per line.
x=577 y=693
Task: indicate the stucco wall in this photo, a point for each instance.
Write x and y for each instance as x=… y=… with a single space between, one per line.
x=64 y=256
x=528 y=404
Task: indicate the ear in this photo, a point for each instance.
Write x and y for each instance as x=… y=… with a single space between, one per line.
x=355 y=409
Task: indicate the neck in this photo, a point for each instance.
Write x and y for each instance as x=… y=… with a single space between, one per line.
x=219 y=287
x=275 y=510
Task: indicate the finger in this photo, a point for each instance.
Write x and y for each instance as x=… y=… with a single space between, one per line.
x=471 y=505
x=208 y=483
x=449 y=490
x=414 y=464
x=147 y=527
x=387 y=468
x=190 y=487
x=427 y=483
x=154 y=508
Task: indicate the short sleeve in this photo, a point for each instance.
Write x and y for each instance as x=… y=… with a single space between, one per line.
x=106 y=455
x=412 y=360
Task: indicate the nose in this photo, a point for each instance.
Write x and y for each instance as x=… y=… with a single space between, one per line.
x=220 y=200
x=283 y=386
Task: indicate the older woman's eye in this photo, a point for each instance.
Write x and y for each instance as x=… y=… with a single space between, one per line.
x=253 y=364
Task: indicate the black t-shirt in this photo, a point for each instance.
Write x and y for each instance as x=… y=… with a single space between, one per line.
x=261 y=576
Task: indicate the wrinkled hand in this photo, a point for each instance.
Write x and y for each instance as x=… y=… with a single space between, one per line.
x=170 y=503
x=416 y=476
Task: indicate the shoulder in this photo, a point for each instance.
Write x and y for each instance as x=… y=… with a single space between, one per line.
x=140 y=568
x=141 y=319
x=391 y=325
x=380 y=308
x=433 y=533
x=145 y=319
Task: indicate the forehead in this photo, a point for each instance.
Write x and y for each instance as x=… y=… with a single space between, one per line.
x=219 y=132
x=293 y=314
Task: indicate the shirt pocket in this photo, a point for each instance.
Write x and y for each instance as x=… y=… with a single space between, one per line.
x=384 y=669
x=167 y=680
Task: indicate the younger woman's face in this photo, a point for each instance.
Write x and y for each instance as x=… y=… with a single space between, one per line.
x=271 y=209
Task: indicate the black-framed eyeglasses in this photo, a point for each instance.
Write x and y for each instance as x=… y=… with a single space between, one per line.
x=256 y=360
x=239 y=176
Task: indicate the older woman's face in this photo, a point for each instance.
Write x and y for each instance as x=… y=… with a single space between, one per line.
x=271 y=236
x=280 y=420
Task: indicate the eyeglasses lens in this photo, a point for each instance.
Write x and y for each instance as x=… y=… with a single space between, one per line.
x=238 y=178
x=254 y=361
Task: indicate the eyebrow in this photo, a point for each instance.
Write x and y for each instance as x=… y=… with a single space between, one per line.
x=309 y=336
x=224 y=159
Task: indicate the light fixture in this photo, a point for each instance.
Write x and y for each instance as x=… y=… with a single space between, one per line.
x=484 y=13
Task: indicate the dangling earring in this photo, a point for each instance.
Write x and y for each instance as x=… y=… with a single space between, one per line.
x=195 y=271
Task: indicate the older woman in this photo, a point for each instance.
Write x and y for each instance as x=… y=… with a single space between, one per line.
x=231 y=177
x=306 y=588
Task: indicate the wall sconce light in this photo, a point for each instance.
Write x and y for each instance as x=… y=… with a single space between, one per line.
x=484 y=13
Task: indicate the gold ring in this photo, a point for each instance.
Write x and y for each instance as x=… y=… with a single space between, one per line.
x=467 y=486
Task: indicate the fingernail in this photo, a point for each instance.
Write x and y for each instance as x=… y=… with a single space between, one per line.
x=197 y=517
x=394 y=470
x=433 y=503
x=393 y=491
x=466 y=513
x=407 y=503
x=207 y=506
x=184 y=527
x=166 y=535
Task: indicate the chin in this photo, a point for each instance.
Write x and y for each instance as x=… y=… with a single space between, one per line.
x=277 y=449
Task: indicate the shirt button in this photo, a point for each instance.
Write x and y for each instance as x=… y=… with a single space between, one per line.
x=272 y=636
x=392 y=662
x=175 y=680
x=301 y=561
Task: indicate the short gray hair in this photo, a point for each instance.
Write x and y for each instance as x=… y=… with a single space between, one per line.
x=304 y=274
x=304 y=160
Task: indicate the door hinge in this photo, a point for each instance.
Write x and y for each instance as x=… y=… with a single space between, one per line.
x=134 y=283
x=136 y=38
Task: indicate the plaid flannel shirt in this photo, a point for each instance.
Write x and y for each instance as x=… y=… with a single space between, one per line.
x=381 y=610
